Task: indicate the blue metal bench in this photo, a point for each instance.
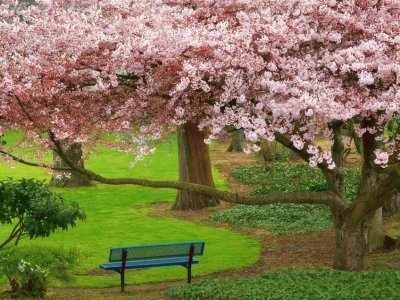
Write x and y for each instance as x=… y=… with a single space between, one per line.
x=158 y=255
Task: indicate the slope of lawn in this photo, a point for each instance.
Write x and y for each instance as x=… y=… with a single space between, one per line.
x=116 y=216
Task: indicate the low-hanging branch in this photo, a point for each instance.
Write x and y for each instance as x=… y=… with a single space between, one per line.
x=326 y=198
x=32 y=164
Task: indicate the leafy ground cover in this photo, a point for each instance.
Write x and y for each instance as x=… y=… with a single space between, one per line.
x=313 y=283
x=284 y=218
x=280 y=219
x=117 y=216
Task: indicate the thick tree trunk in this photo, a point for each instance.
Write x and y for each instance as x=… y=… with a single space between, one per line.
x=71 y=178
x=237 y=141
x=194 y=167
x=352 y=242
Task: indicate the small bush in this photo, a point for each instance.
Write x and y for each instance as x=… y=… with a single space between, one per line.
x=34 y=210
x=28 y=269
x=313 y=283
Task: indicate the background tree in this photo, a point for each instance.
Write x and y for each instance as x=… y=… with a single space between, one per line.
x=70 y=178
x=280 y=70
x=237 y=141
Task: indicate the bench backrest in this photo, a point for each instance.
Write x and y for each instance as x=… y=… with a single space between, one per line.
x=156 y=251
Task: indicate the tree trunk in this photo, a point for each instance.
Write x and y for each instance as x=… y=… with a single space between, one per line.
x=376 y=234
x=393 y=205
x=237 y=141
x=270 y=150
x=70 y=178
x=194 y=167
x=352 y=240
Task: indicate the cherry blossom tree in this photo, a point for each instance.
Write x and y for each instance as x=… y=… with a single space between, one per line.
x=290 y=71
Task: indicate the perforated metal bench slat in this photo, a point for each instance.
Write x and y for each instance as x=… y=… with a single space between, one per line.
x=149 y=263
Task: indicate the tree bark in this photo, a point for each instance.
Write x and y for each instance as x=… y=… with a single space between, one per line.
x=352 y=240
x=337 y=147
x=237 y=141
x=194 y=167
x=376 y=235
x=70 y=178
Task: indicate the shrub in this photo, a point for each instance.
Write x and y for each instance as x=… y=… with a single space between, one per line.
x=28 y=269
x=34 y=209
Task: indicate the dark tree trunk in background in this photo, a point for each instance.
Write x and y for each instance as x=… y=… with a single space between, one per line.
x=194 y=167
x=269 y=150
x=393 y=205
x=237 y=141
x=376 y=235
x=337 y=147
x=70 y=178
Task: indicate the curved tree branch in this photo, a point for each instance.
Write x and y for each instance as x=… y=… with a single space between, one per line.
x=327 y=198
x=32 y=164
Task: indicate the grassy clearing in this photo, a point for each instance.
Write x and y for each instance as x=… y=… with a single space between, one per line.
x=296 y=284
x=283 y=219
x=117 y=216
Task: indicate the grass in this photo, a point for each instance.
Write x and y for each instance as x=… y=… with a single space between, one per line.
x=313 y=283
x=117 y=216
x=282 y=219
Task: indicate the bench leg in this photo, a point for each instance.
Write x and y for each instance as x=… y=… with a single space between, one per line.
x=189 y=265
x=123 y=264
x=189 y=274
x=122 y=281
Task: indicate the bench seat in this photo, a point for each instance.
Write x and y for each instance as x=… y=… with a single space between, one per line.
x=149 y=263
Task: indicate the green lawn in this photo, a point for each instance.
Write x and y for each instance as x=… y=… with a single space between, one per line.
x=116 y=216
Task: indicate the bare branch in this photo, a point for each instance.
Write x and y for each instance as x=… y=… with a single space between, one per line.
x=33 y=164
